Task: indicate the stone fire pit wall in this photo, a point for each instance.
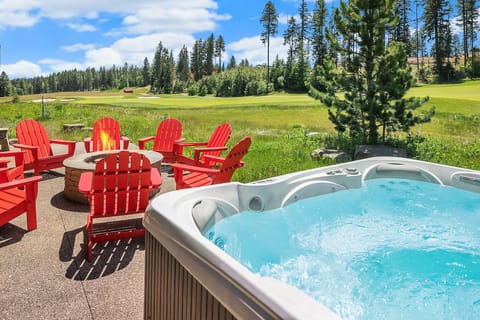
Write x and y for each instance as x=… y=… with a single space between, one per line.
x=4 y=139
x=84 y=162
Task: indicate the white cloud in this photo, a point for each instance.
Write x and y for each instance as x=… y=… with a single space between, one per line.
x=84 y=27
x=78 y=47
x=57 y=65
x=16 y=19
x=133 y=50
x=253 y=50
x=139 y=17
x=103 y=57
x=21 y=69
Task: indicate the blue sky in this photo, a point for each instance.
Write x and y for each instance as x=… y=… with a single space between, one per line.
x=41 y=37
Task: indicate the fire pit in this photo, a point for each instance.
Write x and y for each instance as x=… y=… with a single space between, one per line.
x=76 y=165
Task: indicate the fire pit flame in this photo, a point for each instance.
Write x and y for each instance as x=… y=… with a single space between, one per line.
x=107 y=142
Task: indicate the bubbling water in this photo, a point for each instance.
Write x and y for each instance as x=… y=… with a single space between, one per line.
x=394 y=249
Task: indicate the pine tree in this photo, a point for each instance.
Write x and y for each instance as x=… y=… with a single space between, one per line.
x=290 y=39
x=183 y=68
x=473 y=27
x=163 y=70
x=219 y=50
x=375 y=77
x=269 y=21
x=303 y=37
x=146 y=73
x=232 y=63
x=4 y=85
x=468 y=13
x=319 y=46
x=401 y=32
x=209 y=54
x=437 y=26
x=197 y=59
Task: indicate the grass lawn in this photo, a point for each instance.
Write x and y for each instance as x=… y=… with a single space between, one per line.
x=277 y=123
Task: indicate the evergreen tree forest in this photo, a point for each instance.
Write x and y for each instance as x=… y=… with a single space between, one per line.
x=439 y=38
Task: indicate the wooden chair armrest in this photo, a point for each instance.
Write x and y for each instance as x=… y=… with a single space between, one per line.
x=214 y=159
x=85 y=183
x=71 y=144
x=126 y=142
x=142 y=141
x=33 y=149
x=210 y=149
x=198 y=152
x=180 y=167
x=65 y=142
x=155 y=177
x=191 y=144
x=87 y=142
x=25 y=182
x=25 y=146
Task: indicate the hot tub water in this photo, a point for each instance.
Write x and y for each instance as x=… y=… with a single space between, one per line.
x=394 y=249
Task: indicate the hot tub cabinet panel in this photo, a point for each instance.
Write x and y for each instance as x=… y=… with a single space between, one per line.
x=172 y=292
x=188 y=277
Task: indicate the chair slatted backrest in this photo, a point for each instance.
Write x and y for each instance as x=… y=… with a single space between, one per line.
x=232 y=161
x=31 y=132
x=121 y=184
x=106 y=134
x=168 y=131
x=219 y=138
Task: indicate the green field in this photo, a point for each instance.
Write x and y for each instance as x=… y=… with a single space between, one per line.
x=277 y=123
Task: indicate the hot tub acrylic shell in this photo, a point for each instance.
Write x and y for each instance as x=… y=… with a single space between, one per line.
x=177 y=219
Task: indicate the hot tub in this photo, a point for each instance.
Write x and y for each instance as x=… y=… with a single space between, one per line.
x=188 y=277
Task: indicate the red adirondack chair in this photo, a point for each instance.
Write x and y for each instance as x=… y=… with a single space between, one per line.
x=119 y=186
x=106 y=136
x=213 y=147
x=169 y=131
x=202 y=176
x=18 y=195
x=37 y=147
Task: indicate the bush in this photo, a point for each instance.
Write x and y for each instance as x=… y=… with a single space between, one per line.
x=203 y=90
x=179 y=86
x=193 y=90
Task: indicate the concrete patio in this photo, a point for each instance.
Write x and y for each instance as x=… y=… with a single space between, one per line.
x=44 y=274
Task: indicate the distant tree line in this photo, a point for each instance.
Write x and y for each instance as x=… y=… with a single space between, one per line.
x=424 y=26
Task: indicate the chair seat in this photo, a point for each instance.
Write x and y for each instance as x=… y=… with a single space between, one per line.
x=9 y=199
x=196 y=179
x=116 y=230
x=54 y=160
x=47 y=163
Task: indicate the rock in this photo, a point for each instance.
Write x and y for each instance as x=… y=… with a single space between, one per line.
x=337 y=155
x=366 y=151
x=72 y=126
